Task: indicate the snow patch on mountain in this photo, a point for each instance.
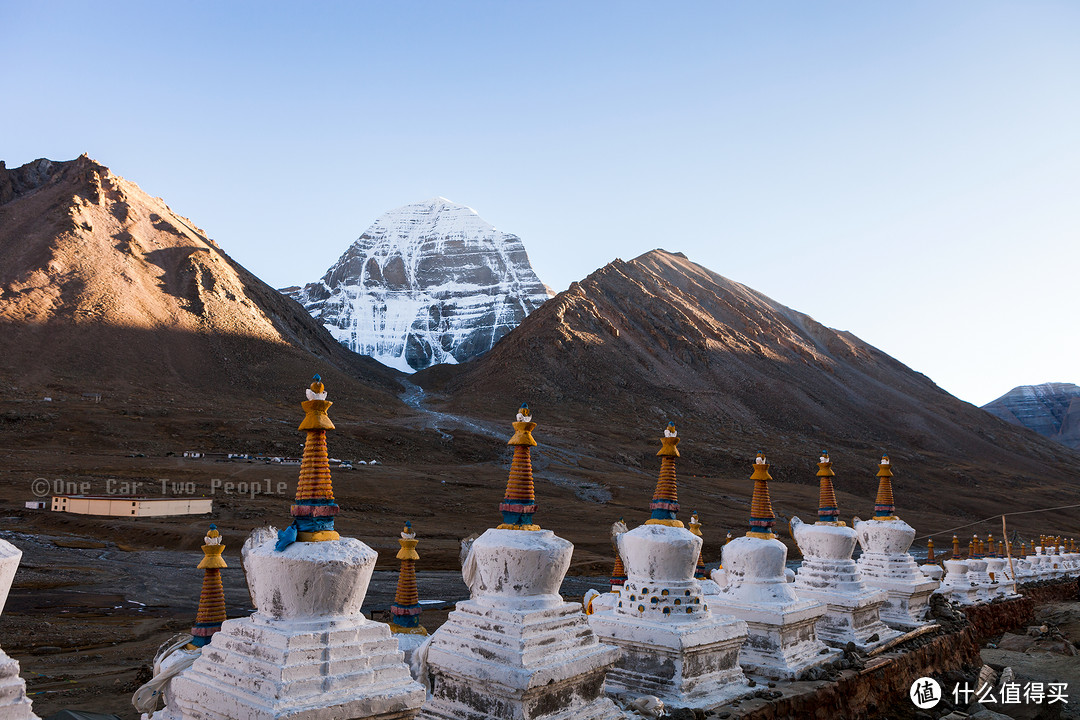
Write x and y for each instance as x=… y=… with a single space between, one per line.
x=427 y=283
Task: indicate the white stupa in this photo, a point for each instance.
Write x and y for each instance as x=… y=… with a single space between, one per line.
x=829 y=575
x=977 y=565
x=308 y=653
x=1000 y=584
x=14 y=705
x=173 y=660
x=956 y=586
x=931 y=568
x=782 y=640
x=516 y=649
x=673 y=646
x=885 y=563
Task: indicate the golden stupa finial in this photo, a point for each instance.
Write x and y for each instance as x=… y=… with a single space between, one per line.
x=212 y=599
x=762 y=517
x=828 y=512
x=665 y=501
x=405 y=610
x=519 y=501
x=884 y=505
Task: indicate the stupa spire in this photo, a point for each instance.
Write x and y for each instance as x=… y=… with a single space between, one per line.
x=695 y=528
x=618 y=573
x=314 y=509
x=828 y=513
x=930 y=551
x=519 y=502
x=212 y=599
x=405 y=610
x=884 y=506
x=665 y=501
x=955 y=547
x=762 y=517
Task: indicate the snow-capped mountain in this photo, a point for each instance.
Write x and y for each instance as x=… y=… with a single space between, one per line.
x=427 y=283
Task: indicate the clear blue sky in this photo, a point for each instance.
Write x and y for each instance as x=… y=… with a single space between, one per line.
x=906 y=171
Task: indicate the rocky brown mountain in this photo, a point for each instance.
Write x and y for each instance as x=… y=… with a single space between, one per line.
x=1050 y=409
x=637 y=343
x=103 y=286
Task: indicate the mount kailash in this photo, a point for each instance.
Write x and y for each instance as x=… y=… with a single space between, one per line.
x=427 y=283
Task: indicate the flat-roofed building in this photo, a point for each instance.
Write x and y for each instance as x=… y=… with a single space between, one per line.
x=117 y=506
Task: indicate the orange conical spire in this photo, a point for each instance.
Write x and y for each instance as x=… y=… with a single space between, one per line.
x=955 y=547
x=929 y=551
x=828 y=513
x=314 y=509
x=405 y=610
x=665 y=501
x=618 y=573
x=762 y=517
x=519 y=503
x=695 y=528
x=884 y=506
x=212 y=600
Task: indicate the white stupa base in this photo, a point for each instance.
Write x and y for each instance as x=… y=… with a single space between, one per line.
x=517 y=650
x=829 y=576
x=307 y=653
x=851 y=618
x=258 y=669
x=171 y=711
x=14 y=705
x=492 y=663
x=689 y=664
x=782 y=640
x=957 y=586
x=907 y=589
x=980 y=579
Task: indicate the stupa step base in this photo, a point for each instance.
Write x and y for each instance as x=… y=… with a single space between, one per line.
x=851 y=618
x=782 y=641
x=343 y=668
x=691 y=664
x=491 y=662
x=14 y=705
x=906 y=603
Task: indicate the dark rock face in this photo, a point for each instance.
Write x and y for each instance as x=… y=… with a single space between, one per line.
x=428 y=283
x=1050 y=409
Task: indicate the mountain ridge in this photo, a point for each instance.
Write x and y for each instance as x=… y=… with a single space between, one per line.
x=86 y=255
x=1049 y=409
x=659 y=337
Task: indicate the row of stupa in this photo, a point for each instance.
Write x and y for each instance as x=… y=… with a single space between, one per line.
x=991 y=571
x=517 y=649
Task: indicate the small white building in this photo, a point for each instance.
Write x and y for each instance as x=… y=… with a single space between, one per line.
x=35 y=504
x=192 y=454
x=116 y=506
